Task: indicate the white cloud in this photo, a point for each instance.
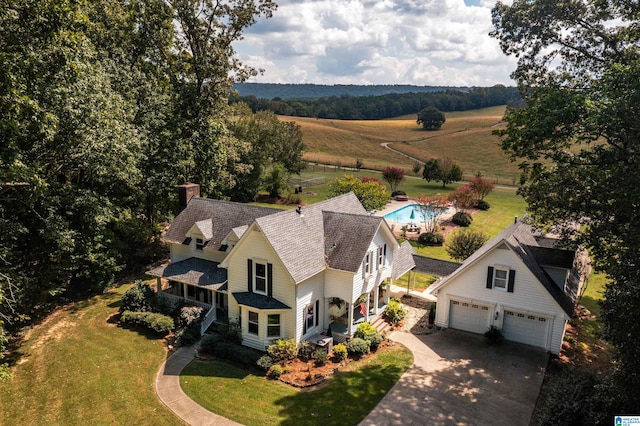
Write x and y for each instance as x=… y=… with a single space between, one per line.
x=423 y=42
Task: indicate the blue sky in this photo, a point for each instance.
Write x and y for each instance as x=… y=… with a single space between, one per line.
x=421 y=42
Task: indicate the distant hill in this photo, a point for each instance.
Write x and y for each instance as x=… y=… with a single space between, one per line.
x=310 y=91
x=375 y=107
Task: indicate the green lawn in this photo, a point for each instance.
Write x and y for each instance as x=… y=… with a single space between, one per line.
x=418 y=281
x=254 y=400
x=77 y=368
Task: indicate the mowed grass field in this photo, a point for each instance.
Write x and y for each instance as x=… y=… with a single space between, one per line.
x=466 y=137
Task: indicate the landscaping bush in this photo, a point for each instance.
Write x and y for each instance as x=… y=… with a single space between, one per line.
x=357 y=347
x=395 y=312
x=265 y=362
x=208 y=343
x=320 y=356
x=368 y=332
x=482 y=205
x=494 y=335
x=340 y=351
x=283 y=349
x=431 y=239
x=156 y=322
x=305 y=350
x=189 y=320
x=432 y=313
x=231 y=332
x=275 y=372
x=462 y=219
x=138 y=298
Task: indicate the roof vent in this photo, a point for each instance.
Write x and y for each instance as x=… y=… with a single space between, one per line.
x=299 y=211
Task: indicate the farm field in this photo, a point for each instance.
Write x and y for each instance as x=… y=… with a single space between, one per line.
x=466 y=137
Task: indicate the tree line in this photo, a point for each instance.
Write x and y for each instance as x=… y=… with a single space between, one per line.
x=106 y=106
x=306 y=91
x=348 y=107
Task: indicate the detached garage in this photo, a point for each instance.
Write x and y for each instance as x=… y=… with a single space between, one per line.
x=518 y=282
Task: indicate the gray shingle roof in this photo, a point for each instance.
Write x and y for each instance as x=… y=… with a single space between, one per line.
x=194 y=271
x=403 y=260
x=437 y=267
x=224 y=216
x=521 y=238
x=258 y=301
x=347 y=238
x=298 y=238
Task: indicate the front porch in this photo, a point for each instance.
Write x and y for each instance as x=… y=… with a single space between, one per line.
x=366 y=309
x=195 y=282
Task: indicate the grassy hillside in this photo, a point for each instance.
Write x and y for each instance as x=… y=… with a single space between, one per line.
x=466 y=137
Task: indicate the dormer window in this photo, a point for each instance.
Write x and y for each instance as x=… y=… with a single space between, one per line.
x=199 y=243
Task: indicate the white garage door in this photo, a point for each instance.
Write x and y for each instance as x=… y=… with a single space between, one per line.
x=469 y=316
x=525 y=328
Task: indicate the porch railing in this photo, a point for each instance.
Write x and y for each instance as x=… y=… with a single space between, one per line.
x=177 y=299
x=208 y=319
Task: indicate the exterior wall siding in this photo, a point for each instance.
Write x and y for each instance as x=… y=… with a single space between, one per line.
x=255 y=246
x=528 y=295
x=308 y=292
x=365 y=285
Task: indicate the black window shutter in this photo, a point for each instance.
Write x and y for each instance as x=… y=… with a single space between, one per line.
x=250 y=275
x=317 y=312
x=269 y=280
x=490 y=277
x=512 y=279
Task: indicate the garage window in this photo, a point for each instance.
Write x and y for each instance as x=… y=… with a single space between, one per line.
x=501 y=278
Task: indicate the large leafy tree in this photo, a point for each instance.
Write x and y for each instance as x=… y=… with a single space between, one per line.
x=274 y=152
x=372 y=194
x=443 y=169
x=577 y=141
x=431 y=118
x=105 y=106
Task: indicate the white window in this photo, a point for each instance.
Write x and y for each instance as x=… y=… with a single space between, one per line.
x=367 y=268
x=500 y=277
x=382 y=252
x=253 y=323
x=273 y=325
x=199 y=243
x=260 y=278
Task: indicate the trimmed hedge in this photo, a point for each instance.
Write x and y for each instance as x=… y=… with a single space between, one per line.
x=223 y=349
x=156 y=322
x=431 y=239
x=462 y=219
x=358 y=347
x=483 y=205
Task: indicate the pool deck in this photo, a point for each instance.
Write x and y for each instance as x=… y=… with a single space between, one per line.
x=394 y=205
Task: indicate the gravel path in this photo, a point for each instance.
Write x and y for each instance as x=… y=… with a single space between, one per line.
x=417 y=319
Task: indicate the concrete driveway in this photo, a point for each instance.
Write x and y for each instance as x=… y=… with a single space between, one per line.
x=457 y=378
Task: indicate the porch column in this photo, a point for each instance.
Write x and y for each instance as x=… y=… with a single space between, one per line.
x=350 y=319
x=376 y=296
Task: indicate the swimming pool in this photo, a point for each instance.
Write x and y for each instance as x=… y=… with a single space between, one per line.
x=403 y=215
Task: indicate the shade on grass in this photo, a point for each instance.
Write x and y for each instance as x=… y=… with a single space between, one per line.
x=77 y=368
x=254 y=400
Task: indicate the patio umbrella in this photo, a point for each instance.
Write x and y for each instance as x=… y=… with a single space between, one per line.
x=413 y=215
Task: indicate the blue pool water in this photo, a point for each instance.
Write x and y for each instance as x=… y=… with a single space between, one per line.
x=403 y=215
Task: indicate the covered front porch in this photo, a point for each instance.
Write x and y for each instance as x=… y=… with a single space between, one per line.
x=198 y=282
x=345 y=317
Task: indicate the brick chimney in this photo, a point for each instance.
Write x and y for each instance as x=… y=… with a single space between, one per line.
x=186 y=192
